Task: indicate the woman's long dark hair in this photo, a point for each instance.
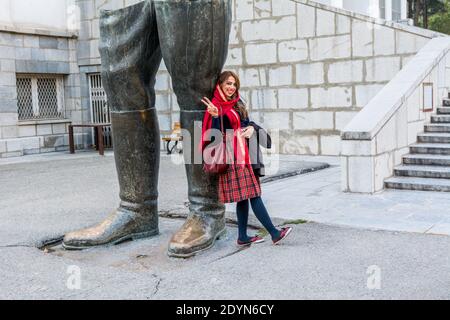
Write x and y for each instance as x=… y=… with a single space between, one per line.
x=240 y=106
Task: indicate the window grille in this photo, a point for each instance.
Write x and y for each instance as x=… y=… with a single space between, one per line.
x=40 y=97
x=100 y=112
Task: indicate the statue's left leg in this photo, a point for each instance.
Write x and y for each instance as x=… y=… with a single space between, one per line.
x=194 y=43
x=131 y=55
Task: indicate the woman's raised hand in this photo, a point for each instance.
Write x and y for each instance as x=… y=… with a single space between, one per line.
x=212 y=109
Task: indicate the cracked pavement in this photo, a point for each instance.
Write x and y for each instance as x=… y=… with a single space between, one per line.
x=42 y=200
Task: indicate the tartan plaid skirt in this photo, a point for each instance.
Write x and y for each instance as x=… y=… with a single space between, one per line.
x=238 y=183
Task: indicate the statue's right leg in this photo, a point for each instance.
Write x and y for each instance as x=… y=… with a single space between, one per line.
x=131 y=56
x=194 y=43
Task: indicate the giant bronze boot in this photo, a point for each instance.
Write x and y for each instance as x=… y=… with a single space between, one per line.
x=194 y=43
x=131 y=56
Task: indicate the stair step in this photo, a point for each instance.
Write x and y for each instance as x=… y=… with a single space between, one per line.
x=427 y=159
x=435 y=172
x=430 y=148
x=421 y=184
x=440 y=119
x=433 y=127
x=434 y=137
x=443 y=110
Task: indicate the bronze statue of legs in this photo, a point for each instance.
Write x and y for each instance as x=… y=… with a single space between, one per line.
x=131 y=57
x=193 y=38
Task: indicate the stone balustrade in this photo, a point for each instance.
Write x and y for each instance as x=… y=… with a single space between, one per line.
x=377 y=138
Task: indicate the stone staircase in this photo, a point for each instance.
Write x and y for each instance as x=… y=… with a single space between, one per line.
x=427 y=166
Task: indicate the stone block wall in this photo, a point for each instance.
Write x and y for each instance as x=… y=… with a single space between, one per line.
x=306 y=69
x=42 y=53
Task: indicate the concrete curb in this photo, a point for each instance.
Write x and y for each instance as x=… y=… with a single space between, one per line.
x=319 y=166
x=253 y=223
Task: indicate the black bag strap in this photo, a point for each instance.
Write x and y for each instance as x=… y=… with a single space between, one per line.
x=221 y=122
x=222 y=129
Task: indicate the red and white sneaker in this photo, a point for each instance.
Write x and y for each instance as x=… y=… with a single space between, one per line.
x=255 y=239
x=284 y=233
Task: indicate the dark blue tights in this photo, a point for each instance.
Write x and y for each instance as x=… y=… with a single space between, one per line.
x=260 y=212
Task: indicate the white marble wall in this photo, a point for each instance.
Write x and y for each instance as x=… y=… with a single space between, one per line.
x=309 y=68
x=305 y=67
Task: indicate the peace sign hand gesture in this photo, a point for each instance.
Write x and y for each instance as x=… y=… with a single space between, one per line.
x=212 y=109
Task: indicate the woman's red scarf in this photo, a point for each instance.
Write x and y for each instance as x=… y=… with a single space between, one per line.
x=226 y=108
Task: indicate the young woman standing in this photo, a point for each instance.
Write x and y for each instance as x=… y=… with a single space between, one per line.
x=239 y=184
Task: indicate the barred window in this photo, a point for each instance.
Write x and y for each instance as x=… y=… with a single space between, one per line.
x=40 y=97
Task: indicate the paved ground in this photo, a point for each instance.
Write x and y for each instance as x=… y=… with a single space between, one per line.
x=42 y=197
x=317 y=197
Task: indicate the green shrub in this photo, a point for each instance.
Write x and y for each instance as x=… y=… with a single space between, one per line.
x=441 y=21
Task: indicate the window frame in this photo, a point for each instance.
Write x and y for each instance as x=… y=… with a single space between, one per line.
x=60 y=99
x=396 y=14
x=382 y=5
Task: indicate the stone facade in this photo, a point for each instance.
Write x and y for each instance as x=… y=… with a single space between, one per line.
x=306 y=69
x=36 y=52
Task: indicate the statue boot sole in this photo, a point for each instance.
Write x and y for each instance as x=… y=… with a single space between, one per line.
x=219 y=235
x=128 y=237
